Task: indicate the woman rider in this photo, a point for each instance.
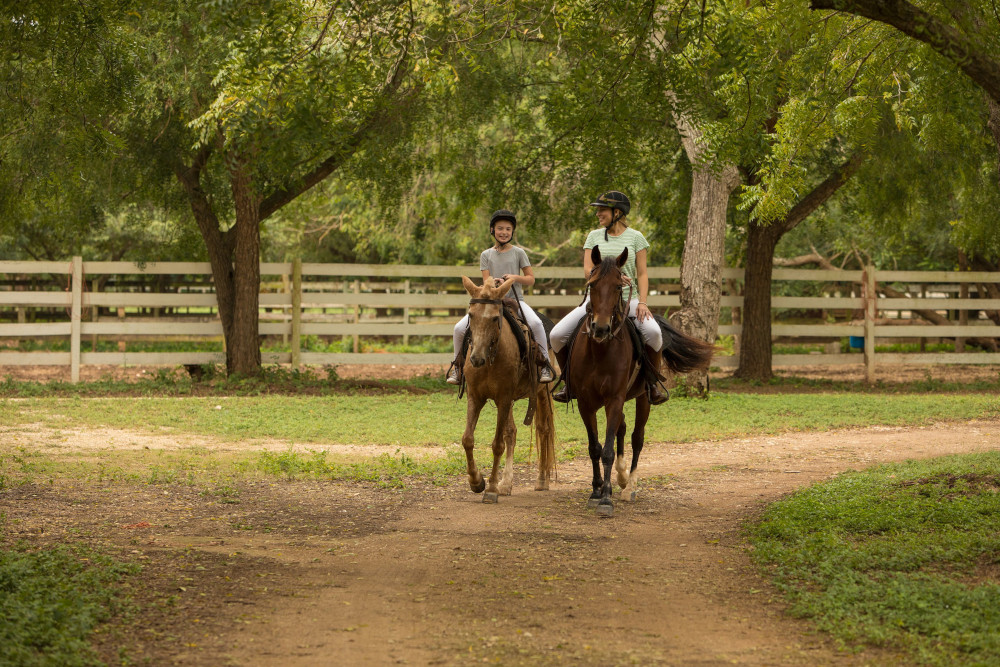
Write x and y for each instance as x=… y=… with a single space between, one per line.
x=614 y=236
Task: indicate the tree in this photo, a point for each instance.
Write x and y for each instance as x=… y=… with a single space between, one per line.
x=242 y=108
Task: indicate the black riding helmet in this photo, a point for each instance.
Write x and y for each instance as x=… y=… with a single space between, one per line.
x=502 y=214
x=614 y=200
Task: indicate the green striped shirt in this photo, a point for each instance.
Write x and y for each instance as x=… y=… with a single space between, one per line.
x=613 y=247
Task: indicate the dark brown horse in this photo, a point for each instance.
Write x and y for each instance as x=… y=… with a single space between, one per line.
x=494 y=370
x=604 y=372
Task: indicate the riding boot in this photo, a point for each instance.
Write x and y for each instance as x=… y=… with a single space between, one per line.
x=562 y=394
x=656 y=395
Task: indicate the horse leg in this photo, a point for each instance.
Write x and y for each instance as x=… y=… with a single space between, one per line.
x=492 y=487
x=510 y=438
x=620 y=468
x=594 y=448
x=473 y=408
x=612 y=412
x=638 y=439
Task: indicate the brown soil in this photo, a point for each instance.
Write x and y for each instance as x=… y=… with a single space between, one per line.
x=844 y=373
x=315 y=573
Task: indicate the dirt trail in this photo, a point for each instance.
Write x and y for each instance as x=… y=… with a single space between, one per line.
x=319 y=574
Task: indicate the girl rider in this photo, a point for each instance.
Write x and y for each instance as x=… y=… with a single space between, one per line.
x=499 y=262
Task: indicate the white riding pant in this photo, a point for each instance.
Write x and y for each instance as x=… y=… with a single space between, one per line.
x=532 y=318
x=565 y=327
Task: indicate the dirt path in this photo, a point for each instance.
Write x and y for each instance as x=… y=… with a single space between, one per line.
x=313 y=573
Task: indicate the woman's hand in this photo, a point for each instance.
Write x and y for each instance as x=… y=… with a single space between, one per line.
x=642 y=312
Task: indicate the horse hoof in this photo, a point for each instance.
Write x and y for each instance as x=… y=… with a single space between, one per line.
x=593 y=502
x=632 y=496
x=478 y=488
x=542 y=486
x=491 y=497
x=605 y=510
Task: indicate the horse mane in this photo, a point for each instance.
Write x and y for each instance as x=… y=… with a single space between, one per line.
x=602 y=270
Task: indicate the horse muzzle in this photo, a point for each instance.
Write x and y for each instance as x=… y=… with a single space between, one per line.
x=600 y=332
x=477 y=360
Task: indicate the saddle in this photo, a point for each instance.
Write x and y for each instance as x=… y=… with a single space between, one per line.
x=531 y=356
x=649 y=374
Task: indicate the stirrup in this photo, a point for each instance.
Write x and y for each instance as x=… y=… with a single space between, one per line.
x=561 y=395
x=454 y=375
x=545 y=375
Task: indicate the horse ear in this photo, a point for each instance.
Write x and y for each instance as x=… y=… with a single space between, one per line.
x=622 y=258
x=470 y=286
x=595 y=255
x=503 y=287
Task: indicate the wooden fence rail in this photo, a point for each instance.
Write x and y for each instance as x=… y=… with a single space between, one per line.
x=353 y=300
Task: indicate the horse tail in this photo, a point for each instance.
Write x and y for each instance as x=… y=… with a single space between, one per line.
x=545 y=432
x=683 y=353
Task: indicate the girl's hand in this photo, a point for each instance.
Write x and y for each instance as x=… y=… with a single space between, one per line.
x=642 y=312
x=626 y=280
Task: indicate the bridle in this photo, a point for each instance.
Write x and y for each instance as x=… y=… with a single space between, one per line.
x=491 y=351
x=618 y=314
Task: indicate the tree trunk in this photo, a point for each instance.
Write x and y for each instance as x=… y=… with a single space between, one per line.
x=234 y=255
x=704 y=247
x=243 y=345
x=993 y=122
x=755 y=341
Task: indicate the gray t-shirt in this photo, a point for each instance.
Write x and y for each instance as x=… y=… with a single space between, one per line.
x=499 y=263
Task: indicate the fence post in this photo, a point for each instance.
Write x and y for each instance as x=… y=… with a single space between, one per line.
x=406 y=312
x=357 y=315
x=75 y=316
x=95 y=285
x=870 y=312
x=296 y=312
x=963 y=293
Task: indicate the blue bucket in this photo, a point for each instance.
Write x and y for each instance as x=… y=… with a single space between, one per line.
x=857 y=342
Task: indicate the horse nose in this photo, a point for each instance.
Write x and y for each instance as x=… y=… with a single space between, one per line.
x=477 y=360
x=601 y=330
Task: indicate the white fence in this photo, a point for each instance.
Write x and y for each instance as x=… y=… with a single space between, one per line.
x=351 y=300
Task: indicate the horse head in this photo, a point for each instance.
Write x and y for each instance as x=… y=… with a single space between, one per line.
x=485 y=319
x=605 y=285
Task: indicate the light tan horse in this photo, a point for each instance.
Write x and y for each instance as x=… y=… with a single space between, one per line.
x=495 y=371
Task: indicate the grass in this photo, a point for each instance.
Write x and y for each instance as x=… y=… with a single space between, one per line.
x=437 y=419
x=902 y=556
x=51 y=601
x=234 y=429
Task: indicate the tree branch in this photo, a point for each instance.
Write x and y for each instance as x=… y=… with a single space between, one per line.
x=821 y=192
x=920 y=25
x=389 y=101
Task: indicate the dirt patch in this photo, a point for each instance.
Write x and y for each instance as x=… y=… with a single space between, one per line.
x=303 y=573
x=849 y=373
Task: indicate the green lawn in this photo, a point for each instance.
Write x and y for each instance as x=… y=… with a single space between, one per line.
x=439 y=418
x=902 y=555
